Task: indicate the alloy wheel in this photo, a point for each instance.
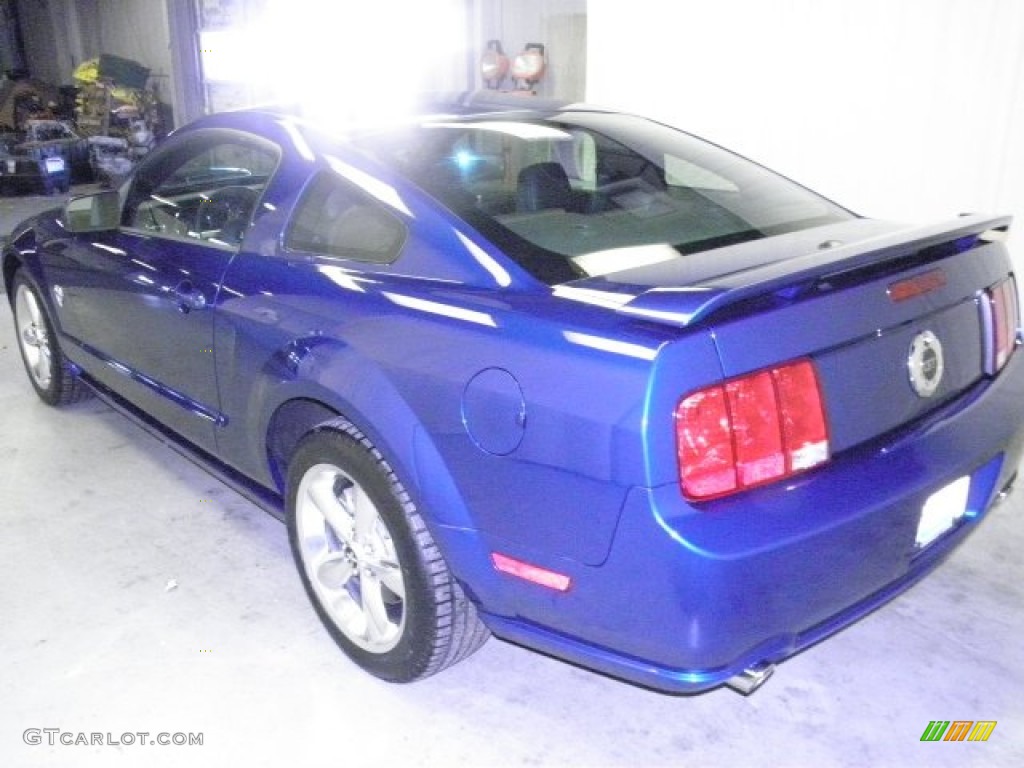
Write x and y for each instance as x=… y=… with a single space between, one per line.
x=33 y=336
x=350 y=558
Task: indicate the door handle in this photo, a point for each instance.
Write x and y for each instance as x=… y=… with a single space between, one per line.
x=188 y=297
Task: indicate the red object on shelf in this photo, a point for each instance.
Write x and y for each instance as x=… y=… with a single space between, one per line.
x=494 y=64
x=529 y=65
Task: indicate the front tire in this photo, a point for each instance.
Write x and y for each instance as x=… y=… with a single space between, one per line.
x=45 y=364
x=368 y=563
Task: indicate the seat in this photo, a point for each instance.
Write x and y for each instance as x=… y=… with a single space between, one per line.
x=543 y=186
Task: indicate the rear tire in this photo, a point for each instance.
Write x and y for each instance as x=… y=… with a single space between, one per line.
x=368 y=563
x=47 y=368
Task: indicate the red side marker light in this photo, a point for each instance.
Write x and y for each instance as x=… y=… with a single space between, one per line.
x=532 y=573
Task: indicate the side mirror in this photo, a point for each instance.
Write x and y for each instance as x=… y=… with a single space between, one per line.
x=93 y=213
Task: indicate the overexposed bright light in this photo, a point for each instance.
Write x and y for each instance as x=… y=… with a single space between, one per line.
x=525 y=131
x=345 y=64
x=437 y=308
x=611 y=345
x=607 y=299
x=630 y=257
x=342 y=277
x=667 y=315
x=298 y=140
x=373 y=186
x=498 y=272
x=109 y=249
x=225 y=56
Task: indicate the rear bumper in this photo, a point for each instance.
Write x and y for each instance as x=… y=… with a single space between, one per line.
x=689 y=598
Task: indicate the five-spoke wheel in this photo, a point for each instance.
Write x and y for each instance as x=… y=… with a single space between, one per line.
x=50 y=374
x=368 y=562
x=350 y=558
x=33 y=336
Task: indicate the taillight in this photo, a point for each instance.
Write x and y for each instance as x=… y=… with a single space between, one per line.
x=751 y=430
x=1001 y=305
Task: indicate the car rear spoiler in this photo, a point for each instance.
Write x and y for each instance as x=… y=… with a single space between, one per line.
x=793 y=278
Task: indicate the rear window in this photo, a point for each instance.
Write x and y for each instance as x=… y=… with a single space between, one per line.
x=585 y=194
x=335 y=219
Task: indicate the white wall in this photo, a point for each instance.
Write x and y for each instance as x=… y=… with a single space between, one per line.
x=903 y=109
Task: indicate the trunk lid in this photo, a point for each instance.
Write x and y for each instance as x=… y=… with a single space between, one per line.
x=868 y=302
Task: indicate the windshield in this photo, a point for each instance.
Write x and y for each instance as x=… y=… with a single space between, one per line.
x=584 y=193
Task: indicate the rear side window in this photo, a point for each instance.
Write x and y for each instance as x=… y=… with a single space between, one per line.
x=335 y=219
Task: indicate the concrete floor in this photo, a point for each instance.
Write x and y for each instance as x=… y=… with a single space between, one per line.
x=100 y=522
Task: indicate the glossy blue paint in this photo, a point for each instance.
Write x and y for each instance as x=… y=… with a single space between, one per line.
x=186 y=403
x=494 y=411
x=124 y=298
x=536 y=420
x=704 y=600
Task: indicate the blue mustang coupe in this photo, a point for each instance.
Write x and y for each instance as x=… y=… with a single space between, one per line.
x=563 y=375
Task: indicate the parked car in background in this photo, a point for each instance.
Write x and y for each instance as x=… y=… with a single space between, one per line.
x=564 y=375
x=47 y=157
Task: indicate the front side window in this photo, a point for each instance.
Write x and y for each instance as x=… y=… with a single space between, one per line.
x=205 y=189
x=586 y=193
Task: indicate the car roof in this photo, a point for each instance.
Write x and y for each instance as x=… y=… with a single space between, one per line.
x=446 y=106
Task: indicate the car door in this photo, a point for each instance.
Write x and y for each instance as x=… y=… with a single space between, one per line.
x=140 y=300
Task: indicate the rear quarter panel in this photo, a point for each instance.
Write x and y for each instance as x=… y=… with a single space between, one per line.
x=515 y=414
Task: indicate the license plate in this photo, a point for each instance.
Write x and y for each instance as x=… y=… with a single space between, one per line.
x=54 y=164
x=942 y=511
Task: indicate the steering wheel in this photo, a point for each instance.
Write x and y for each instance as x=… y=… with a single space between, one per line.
x=226 y=211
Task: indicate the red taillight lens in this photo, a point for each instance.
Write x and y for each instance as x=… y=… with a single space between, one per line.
x=751 y=430
x=803 y=416
x=1002 y=306
x=707 y=461
x=756 y=429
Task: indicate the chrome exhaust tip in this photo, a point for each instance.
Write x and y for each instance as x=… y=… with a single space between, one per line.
x=1005 y=491
x=751 y=678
